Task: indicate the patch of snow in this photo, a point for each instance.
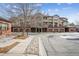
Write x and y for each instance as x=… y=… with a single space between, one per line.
x=70 y=37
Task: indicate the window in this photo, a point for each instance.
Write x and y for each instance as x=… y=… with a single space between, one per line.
x=45 y=23
x=60 y=25
x=3 y=26
x=55 y=24
x=50 y=26
x=44 y=17
x=50 y=22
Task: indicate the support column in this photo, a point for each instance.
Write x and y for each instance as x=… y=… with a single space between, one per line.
x=13 y=29
x=36 y=29
x=41 y=30
x=18 y=30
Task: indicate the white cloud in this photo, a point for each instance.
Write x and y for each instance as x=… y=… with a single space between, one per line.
x=13 y=10
x=56 y=10
x=15 y=6
x=53 y=11
x=49 y=10
x=73 y=18
x=66 y=8
x=43 y=11
x=69 y=3
x=58 y=3
x=78 y=14
x=8 y=6
x=38 y=4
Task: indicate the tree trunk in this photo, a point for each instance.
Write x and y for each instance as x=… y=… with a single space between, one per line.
x=27 y=33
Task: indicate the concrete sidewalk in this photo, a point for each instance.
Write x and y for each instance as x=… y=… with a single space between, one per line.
x=32 y=46
x=42 y=51
x=20 y=48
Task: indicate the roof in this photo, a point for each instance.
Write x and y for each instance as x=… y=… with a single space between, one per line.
x=64 y=19
x=2 y=19
x=56 y=15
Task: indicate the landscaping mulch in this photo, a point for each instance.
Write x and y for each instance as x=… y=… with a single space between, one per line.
x=20 y=37
x=7 y=48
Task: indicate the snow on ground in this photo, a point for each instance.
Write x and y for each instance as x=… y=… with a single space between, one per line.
x=70 y=36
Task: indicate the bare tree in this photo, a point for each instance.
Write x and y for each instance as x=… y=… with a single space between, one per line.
x=21 y=13
x=77 y=22
x=24 y=10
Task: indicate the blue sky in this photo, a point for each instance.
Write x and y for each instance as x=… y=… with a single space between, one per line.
x=69 y=10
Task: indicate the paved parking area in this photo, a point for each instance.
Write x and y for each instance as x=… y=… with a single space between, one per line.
x=55 y=45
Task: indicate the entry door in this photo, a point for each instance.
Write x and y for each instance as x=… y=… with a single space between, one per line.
x=66 y=29
x=33 y=29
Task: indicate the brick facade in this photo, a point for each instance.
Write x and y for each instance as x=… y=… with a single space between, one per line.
x=5 y=27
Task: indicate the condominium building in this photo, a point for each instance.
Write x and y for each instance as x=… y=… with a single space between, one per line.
x=43 y=23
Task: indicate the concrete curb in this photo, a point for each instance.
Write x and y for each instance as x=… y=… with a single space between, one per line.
x=42 y=51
